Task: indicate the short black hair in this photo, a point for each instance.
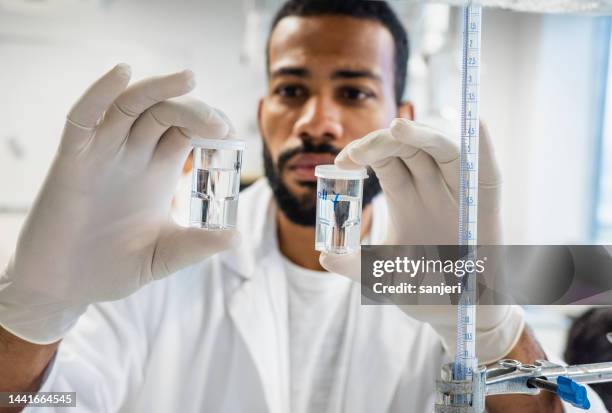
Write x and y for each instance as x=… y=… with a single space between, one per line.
x=587 y=343
x=376 y=10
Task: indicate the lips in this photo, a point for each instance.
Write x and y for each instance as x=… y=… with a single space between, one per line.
x=303 y=165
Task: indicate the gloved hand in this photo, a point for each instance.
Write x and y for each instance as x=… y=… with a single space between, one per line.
x=418 y=169
x=100 y=229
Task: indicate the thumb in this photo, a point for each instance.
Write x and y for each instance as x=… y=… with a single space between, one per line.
x=348 y=265
x=184 y=246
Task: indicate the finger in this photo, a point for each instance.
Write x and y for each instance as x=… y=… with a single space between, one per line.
x=85 y=114
x=194 y=118
x=374 y=149
x=348 y=265
x=90 y=107
x=488 y=168
x=137 y=99
x=231 y=133
x=184 y=246
x=398 y=166
x=394 y=176
x=190 y=116
x=429 y=140
x=142 y=140
x=433 y=183
x=344 y=161
x=385 y=156
x=147 y=92
x=172 y=149
x=438 y=154
x=398 y=185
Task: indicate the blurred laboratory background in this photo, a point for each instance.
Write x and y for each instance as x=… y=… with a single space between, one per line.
x=546 y=96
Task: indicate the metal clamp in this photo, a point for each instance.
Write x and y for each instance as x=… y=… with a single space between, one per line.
x=513 y=377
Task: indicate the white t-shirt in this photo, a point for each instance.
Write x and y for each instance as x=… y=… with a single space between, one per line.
x=318 y=304
x=214 y=338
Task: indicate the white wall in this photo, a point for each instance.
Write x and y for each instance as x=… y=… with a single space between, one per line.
x=49 y=58
x=538 y=99
x=537 y=96
x=537 y=88
x=553 y=132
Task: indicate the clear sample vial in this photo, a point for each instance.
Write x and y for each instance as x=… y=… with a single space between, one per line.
x=339 y=195
x=215 y=182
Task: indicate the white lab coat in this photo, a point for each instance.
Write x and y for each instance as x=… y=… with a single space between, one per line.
x=214 y=338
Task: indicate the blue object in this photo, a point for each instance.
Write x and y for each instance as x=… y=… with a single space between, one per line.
x=573 y=393
x=335 y=199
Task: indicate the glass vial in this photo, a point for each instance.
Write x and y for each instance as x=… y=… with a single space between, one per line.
x=215 y=183
x=339 y=197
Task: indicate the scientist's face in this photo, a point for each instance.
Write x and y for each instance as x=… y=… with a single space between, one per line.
x=330 y=82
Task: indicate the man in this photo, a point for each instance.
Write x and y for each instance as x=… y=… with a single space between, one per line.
x=588 y=342
x=259 y=327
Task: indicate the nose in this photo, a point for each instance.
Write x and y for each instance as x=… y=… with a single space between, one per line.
x=319 y=121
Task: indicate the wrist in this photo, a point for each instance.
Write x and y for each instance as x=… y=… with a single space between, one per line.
x=39 y=324
x=497 y=341
x=498 y=331
x=33 y=313
x=22 y=363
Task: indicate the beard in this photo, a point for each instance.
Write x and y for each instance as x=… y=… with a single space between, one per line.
x=302 y=210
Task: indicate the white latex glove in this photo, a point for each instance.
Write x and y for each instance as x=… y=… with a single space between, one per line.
x=418 y=169
x=100 y=229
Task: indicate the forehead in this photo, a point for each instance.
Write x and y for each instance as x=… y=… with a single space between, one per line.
x=331 y=41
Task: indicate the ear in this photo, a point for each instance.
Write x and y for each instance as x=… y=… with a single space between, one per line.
x=405 y=110
x=188 y=164
x=259 y=111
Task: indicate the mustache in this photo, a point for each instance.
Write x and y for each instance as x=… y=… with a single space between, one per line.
x=307 y=147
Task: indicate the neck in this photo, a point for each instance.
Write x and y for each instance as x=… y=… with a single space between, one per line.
x=296 y=242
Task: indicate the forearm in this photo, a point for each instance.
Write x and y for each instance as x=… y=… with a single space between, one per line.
x=527 y=350
x=22 y=364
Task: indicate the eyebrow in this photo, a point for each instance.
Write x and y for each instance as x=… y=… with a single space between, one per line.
x=291 y=71
x=338 y=74
x=355 y=74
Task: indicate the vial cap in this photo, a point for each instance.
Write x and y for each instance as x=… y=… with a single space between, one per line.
x=333 y=172
x=234 y=144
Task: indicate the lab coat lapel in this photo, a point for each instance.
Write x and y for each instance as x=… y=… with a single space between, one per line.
x=258 y=307
x=379 y=349
x=375 y=350
x=258 y=310
x=377 y=358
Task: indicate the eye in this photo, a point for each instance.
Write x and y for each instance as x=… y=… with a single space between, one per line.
x=355 y=94
x=290 y=91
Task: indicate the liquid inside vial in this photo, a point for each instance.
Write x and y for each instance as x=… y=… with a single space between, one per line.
x=338 y=223
x=214 y=198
